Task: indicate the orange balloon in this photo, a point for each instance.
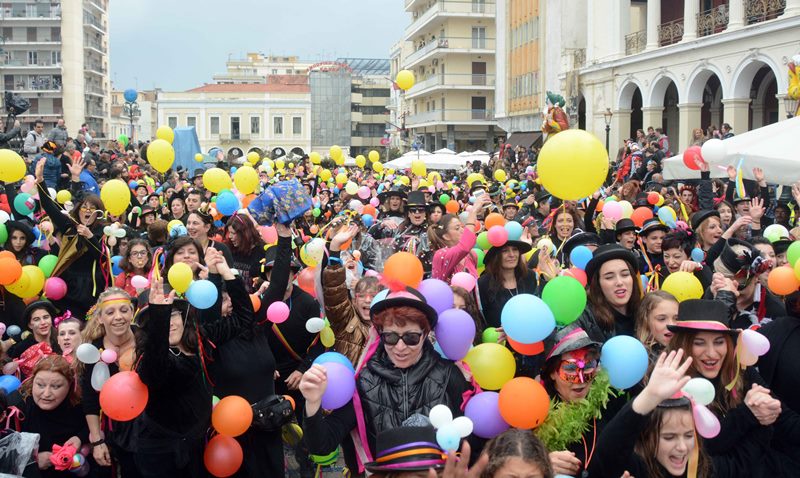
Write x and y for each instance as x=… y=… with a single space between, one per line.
x=256 y=301
x=523 y=403
x=494 y=219
x=782 y=280
x=526 y=349
x=248 y=199
x=640 y=215
x=232 y=416
x=123 y=396
x=403 y=269
x=290 y=400
x=223 y=455
x=10 y=269
x=600 y=205
x=451 y=207
x=370 y=209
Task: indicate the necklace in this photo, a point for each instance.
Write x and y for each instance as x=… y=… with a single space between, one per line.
x=512 y=292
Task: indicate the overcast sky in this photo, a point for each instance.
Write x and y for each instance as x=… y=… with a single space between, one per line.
x=179 y=44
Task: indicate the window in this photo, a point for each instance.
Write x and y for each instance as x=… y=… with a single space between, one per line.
x=277 y=125
x=215 y=125
x=255 y=125
x=191 y=121
x=55 y=57
x=33 y=57
x=172 y=121
x=235 y=130
x=478 y=37
x=297 y=125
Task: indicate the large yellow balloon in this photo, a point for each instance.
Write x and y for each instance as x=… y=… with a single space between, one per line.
x=29 y=284
x=253 y=157
x=12 y=166
x=377 y=167
x=341 y=178
x=279 y=164
x=361 y=161
x=161 y=155
x=246 y=179
x=325 y=175
x=63 y=196
x=405 y=79
x=335 y=152
x=116 y=196
x=180 y=276
x=374 y=156
x=314 y=157
x=165 y=132
x=683 y=285
x=418 y=168
x=20 y=286
x=572 y=164
x=492 y=365
x=216 y=179
x=500 y=175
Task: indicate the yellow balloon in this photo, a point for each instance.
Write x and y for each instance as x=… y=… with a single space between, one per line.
x=198 y=157
x=326 y=337
x=361 y=161
x=63 y=196
x=12 y=166
x=180 y=276
x=161 y=155
x=279 y=164
x=418 y=168
x=325 y=175
x=20 y=286
x=374 y=156
x=433 y=177
x=253 y=157
x=492 y=365
x=116 y=196
x=171 y=225
x=335 y=152
x=683 y=285
x=572 y=164
x=216 y=179
x=404 y=180
x=500 y=175
x=405 y=79
x=165 y=132
x=314 y=157
x=246 y=179
x=473 y=177
x=341 y=178
x=339 y=160
x=306 y=258
x=37 y=279
x=351 y=188
x=377 y=167
x=627 y=208
x=423 y=183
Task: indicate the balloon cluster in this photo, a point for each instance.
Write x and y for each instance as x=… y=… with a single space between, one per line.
x=91 y=355
x=231 y=417
x=449 y=431
x=202 y=294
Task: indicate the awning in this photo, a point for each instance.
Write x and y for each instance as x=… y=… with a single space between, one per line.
x=524 y=139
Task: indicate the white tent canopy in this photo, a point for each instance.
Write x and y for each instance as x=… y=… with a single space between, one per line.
x=438 y=160
x=772 y=148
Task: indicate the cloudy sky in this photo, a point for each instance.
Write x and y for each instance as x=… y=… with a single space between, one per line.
x=178 y=44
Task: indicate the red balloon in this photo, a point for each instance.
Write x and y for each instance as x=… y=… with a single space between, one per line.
x=223 y=456
x=526 y=349
x=305 y=280
x=652 y=197
x=123 y=396
x=577 y=274
x=640 y=215
x=691 y=155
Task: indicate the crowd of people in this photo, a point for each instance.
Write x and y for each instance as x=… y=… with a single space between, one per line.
x=359 y=282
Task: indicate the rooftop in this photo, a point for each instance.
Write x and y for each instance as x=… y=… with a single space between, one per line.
x=367 y=66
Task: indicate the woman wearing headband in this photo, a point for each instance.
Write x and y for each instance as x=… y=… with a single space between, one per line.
x=246 y=246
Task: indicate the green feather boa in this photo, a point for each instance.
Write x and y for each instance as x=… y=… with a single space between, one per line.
x=567 y=422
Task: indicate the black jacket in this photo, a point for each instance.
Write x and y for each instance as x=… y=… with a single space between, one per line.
x=623 y=325
x=779 y=366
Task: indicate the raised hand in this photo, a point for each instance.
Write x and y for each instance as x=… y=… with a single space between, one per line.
x=312 y=386
x=343 y=235
x=457 y=467
x=758 y=174
x=667 y=378
x=157 y=296
x=76 y=167
x=39 y=172
x=756 y=209
x=731 y=173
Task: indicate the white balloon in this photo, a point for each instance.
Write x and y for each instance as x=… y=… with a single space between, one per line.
x=4 y=217
x=51 y=192
x=87 y=353
x=440 y=416
x=315 y=325
x=99 y=375
x=714 y=151
x=316 y=249
x=463 y=425
x=701 y=390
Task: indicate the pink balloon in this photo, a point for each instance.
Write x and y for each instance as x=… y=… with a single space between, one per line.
x=465 y=280
x=140 y=282
x=755 y=343
x=497 y=235
x=612 y=210
x=2 y=328
x=278 y=312
x=269 y=234
x=55 y=288
x=706 y=422
x=363 y=192
x=375 y=202
x=108 y=356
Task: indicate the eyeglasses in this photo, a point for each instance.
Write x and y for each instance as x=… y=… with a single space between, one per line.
x=138 y=254
x=408 y=338
x=88 y=208
x=577 y=371
x=416 y=210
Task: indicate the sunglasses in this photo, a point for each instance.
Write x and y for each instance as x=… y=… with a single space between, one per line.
x=408 y=338
x=577 y=371
x=416 y=210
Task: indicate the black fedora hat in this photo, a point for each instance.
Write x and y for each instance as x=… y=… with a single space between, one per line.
x=608 y=252
x=624 y=225
x=651 y=225
x=522 y=246
x=393 y=191
x=408 y=297
x=580 y=238
x=38 y=305
x=568 y=339
x=700 y=216
x=406 y=449
x=701 y=315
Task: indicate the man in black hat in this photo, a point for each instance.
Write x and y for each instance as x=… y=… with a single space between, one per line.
x=197 y=178
x=542 y=201
x=510 y=209
x=624 y=233
x=782 y=214
x=391 y=214
x=413 y=232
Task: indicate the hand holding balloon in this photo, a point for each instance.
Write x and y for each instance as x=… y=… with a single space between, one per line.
x=312 y=386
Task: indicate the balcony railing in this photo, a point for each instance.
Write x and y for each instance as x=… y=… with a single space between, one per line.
x=450 y=43
x=670 y=32
x=712 y=21
x=452 y=81
x=450 y=7
x=96 y=68
x=452 y=116
x=15 y=62
x=38 y=84
x=52 y=13
x=635 y=42
x=95 y=44
x=24 y=41
x=91 y=20
x=98 y=90
x=757 y=11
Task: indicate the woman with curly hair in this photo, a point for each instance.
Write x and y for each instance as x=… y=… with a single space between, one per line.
x=247 y=248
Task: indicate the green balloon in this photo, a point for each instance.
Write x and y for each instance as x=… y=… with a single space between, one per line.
x=123 y=138
x=490 y=335
x=793 y=253
x=444 y=199
x=47 y=264
x=316 y=212
x=3 y=234
x=480 y=255
x=483 y=241
x=566 y=298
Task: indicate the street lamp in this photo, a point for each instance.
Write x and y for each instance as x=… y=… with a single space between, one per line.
x=607 y=116
x=131 y=108
x=791 y=105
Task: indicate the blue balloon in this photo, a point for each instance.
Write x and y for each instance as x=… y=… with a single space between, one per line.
x=218 y=224
x=335 y=190
x=698 y=255
x=336 y=357
x=580 y=256
x=202 y=294
x=645 y=281
x=527 y=319
x=227 y=203
x=514 y=230
x=130 y=95
x=13 y=330
x=367 y=219
x=233 y=169
x=133 y=184
x=448 y=437
x=9 y=383
x=379 y=297
x=625 y=360
x=115 y=265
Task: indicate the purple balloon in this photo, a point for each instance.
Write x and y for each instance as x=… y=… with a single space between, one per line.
x=341 y=386
x=455 y=332
x=437 y=293
x=484 y=411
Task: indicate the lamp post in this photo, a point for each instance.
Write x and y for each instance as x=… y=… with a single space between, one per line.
x=131 y=108
x=791 y=105
x=607 y=116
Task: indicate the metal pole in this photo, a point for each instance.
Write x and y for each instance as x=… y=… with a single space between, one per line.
x=608 y=129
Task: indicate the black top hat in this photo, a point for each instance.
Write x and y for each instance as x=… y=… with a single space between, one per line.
x=641 y=200
x=748 y=260
x=406 y=449
x=700 y=216
x=12 y=226
x=393 y=191
x=477 y=185
x=782 y=245
x=407 y=297
x=580 y=238
x=34 y=306
x=542 y=195
x=522 y=246
x=608 y=252
x=495 y=189
x=624 y=225
x=416 y=198
x=651 y=225
x=700 y=315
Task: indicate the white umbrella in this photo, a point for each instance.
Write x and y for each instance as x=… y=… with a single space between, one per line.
x=444 y=151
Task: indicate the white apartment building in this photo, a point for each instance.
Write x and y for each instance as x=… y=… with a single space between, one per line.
x=256 y=67
x=55 y=54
